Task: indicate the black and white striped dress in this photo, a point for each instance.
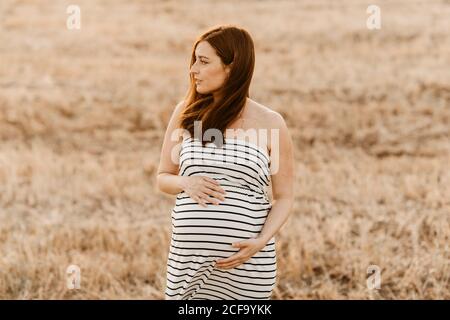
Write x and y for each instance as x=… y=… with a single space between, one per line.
x=202 y=235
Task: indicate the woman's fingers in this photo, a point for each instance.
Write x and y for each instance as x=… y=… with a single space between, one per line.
x=215 y=190
x=231 y=264
x=215 y=187
x=206 y=198
x=208 y=191
x=215 y=194
x=209 y=198
x=200 y=200
x=212 y=181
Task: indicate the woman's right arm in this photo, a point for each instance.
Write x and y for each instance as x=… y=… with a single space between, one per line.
x=171 y=183
x=167 y=178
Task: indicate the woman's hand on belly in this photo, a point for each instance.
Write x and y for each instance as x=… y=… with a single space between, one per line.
x=203 y=189
x=248 y=248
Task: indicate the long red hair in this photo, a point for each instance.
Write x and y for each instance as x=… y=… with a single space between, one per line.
x=232 y=45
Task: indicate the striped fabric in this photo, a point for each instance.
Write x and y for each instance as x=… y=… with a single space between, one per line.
x=202 y=235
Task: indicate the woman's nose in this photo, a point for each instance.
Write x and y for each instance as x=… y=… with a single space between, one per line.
x=193 y=68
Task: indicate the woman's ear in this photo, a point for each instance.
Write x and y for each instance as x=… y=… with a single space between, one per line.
x=228 y=68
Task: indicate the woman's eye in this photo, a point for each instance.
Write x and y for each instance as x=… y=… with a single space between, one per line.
x=203 y=62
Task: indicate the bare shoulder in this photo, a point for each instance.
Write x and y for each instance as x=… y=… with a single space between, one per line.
x=268 y=119
x=276 y=120
x=267 y=116
x=258 y=110
x=179 y=107
x=178 y=110
x=173 y=126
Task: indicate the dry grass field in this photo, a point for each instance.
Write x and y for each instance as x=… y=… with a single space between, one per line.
x=83 y=113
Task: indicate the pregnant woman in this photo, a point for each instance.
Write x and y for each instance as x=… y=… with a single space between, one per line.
x=224 y=222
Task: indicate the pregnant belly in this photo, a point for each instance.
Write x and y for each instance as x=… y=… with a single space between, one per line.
x=240 y=216
x=206 y=233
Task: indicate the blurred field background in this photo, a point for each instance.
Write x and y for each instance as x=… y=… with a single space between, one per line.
x=83 y=113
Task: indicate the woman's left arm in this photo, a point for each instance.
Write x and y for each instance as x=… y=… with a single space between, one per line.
x=282 y=176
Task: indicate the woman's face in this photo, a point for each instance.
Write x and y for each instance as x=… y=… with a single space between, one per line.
x=208 y=70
